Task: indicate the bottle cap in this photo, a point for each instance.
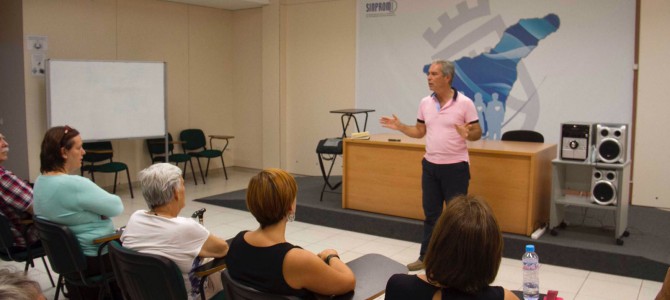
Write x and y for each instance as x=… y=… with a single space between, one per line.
x=530 y=248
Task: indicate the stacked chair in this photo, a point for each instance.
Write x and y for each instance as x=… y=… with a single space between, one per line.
x=195 y=145
x=157 y=153
x=99 y=158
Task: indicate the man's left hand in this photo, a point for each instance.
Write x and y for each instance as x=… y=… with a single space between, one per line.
x=464 y=130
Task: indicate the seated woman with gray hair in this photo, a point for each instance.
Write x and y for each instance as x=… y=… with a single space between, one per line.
x=161 y=231
x=16 y=285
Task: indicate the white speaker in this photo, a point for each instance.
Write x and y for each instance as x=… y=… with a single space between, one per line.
x=604 y=186
x=611 y=143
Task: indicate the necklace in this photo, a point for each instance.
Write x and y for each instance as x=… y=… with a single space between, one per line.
x=153 y=212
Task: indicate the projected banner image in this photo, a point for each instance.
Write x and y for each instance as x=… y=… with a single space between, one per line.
x=525 y=64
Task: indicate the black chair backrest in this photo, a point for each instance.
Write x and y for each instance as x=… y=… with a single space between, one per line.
x=193 y=139
x=62 y=248
x=97 y=157
x=237 y=291
x=146 y=276
x=523 y=136
x=6 y=236
x=157 y=146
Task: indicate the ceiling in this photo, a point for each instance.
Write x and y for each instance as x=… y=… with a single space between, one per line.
x=226 y=4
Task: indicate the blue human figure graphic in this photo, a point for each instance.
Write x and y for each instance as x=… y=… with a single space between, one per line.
x=481 y=106
x=496 y=71
x=495 y=115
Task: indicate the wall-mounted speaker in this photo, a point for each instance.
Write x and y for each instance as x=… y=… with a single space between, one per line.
x=604 y=184
x=611 y=143
x=576 y=140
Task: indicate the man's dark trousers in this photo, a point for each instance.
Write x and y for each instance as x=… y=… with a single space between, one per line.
x=440 y=183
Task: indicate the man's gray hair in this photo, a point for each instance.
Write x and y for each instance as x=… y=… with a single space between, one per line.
x=17 y=286
x=446 y=66
x=159 y=182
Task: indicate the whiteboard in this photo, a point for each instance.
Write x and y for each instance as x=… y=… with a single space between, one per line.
x=107 y=100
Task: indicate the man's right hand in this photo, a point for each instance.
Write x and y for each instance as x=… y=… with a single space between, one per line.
x=390 y=122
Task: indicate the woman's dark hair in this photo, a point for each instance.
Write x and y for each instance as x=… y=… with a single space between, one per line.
x=466 y=246
x=270 y=195
x=51 y=158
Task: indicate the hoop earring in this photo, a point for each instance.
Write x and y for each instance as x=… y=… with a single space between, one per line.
x=291 y=217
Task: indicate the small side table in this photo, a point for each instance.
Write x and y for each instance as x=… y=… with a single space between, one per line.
x=349 y=114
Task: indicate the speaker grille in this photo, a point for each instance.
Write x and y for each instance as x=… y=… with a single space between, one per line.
x=604 y=193
x=604 y=186
x=611 y=143
x=609 y=150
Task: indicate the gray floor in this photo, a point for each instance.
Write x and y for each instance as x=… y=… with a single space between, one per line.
x=587 y=243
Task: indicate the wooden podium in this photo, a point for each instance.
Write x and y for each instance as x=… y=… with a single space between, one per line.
x=384 y=177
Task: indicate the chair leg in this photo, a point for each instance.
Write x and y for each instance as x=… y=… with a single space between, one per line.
x=59 y=287
x=48 y=272
x=195 y=179
x=202 y=288
x=207 y=168
x=224 y=167
x=130 y=185
x=101 y=293
x=200 y=167
x=183 y=172
x=115 y=177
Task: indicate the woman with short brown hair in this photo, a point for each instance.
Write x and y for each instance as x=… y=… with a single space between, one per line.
x=264 y=260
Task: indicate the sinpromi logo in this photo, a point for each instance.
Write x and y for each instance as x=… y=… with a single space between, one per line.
x=381 y=8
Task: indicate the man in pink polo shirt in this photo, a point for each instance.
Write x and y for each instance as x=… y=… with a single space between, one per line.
x=447 y=119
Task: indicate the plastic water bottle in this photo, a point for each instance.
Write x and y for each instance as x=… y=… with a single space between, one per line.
x=531 y=269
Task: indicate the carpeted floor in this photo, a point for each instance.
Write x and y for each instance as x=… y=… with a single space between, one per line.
x=587 y=243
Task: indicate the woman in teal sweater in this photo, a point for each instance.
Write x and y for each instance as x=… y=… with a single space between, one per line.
x=73 y=200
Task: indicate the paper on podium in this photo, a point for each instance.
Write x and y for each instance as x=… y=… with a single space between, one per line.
x=365 y=135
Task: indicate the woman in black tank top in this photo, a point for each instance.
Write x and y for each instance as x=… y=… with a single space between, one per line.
x=264 y=260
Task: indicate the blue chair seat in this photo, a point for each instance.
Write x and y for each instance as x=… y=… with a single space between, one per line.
x=112 y=167
x=20 y=255
x=207 y=153
x=179 y=157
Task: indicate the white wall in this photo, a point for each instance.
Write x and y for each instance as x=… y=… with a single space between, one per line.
x=196 y=42
x=247 y=92
x=320 y=73
x=651 y=160
x=275 y=91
